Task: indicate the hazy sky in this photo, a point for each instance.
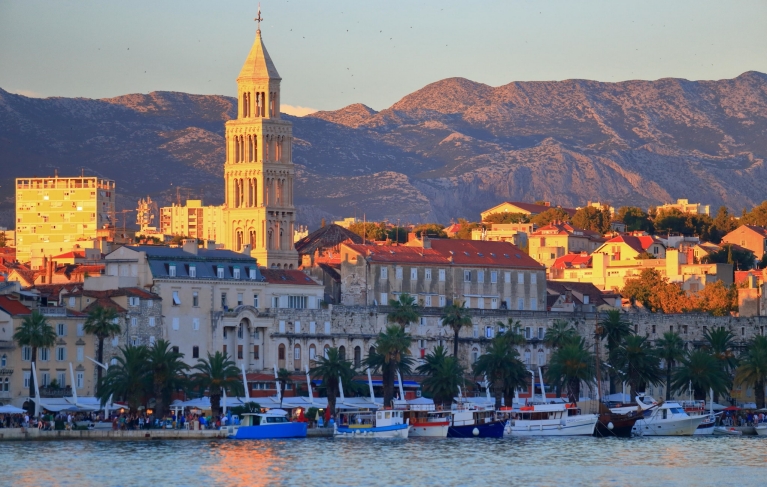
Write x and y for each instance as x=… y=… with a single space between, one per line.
x=331 y=54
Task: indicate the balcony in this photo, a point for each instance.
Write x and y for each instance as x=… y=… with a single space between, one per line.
x=52 y=310
x=7 y=345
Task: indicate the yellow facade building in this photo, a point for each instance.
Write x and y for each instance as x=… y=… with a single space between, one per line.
x=55 y=215
x=193 y=220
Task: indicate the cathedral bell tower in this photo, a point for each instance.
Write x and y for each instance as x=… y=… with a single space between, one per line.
x=259 y=172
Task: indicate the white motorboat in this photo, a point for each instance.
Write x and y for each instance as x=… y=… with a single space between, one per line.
x=384 y=423
x=433 y=424
x=707 y=426
x=729 y=431
x=550 y=420
x=761 y=430
x=666 y=419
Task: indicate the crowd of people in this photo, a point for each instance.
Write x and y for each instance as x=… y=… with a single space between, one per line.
x=740 y=418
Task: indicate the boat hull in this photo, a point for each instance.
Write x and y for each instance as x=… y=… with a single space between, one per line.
x=572 y=427
x=270 y=432
x=622 y=425
x=672 y=427
x=393 y=431
x=429 y=430
x=761 y=430
x=721 y=430
x=705 y=428
x=493 y=429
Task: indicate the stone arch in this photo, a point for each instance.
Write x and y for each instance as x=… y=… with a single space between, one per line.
x=281 y=356
x=342 y=352
x=357 y=357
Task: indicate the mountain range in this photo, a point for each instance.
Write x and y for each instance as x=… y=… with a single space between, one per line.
x=448 y=150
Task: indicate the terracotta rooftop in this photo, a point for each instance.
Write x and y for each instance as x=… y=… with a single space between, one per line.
x=572 y=260
x=564 y=228
x=640 y=244
x=326 y=237
x=577 y=290
x=287 y=276
x=13 y=307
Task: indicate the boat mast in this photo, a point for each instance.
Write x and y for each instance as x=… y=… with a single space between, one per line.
x=596 y=358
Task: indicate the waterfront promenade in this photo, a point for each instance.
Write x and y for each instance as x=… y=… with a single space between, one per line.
x=33 y=434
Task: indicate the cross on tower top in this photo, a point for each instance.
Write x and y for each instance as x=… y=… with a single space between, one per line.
x=258 y=18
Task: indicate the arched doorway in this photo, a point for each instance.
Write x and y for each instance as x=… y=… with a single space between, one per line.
x=281 y=356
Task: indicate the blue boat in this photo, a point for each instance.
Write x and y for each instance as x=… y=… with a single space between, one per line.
x=270 y=425
x=385 y=423
x=474 y=423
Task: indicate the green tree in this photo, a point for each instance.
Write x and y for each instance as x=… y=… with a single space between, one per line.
x=217 y=373
x=329 y=369
x=465 y=227
x=752 y=371
x=370 y=230
x=501 y=364
x=404 y=310
x=671 y=350
x=507 y=218
x=571 y=364
x=283 y=376
x=723 y=224
x=34 y=332
x=444 y=375
x=757 y=216
x=637 y=363
x=731 y=254
x=551 y=215
x=392 y=353
x=717 y=299
x=512 y=332
x=456 y=316
x=644 y=289
x=721 y=343
x=128 y=380
x=703 y=370
x=102 y=323
x=434 y=230
x=398 y=234
x=594 y=219
x=635 y=219
x=561 y=332
x=167 y=372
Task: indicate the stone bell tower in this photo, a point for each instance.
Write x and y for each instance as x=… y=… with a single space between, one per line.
x=259 y=171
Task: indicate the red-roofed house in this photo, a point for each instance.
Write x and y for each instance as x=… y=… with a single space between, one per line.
x=530 y=209
x=557 y=239
x=629 y=247
x=575 y=260
x=484 y=275
x=751 y=237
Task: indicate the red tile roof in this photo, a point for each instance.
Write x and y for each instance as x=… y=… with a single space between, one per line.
x=476 y=253
x=563 y=228
x=287 y=276
x=572 y=260
x=104 y=302
x=640 y=244
x=13 y=307
x=75 y=254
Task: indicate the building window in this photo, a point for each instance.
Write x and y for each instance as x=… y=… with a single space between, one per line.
x=488 y=332
x=466 y=276
x=442 y=301
x=282 y=326
x=653 y=329
x=312 y=327
x=384 y=299
x=172 y=271
x=275 y=302
x=384 y=273
x=239 y=352
x=72 y=302
x=61 y=329
x=80 y=329
x=480 y=276
x=475 y=330
x=224 y=349
x=742 y=331
x=493 y=277
x=507 y=277
x=79 y=380
x=223 y=301
x=541 y=333
x=236 y=272
x=281 y=352
x=45 y=354
x=255 y=352
x=240 y=332
x=398 y=272
x=220 y=272
x=297 y=352
x=61 y=354
x=80 y=354
x=27 y=377
x=175 y=323
x=297 y=302
x=520 y=278
x=312 y=352
x=493 y=303
x=255 y=300
x=541 y=357
x=427 y=301
x=192 y=271
x=684 y=329
x=195 y=299
x=520 y=303
x=327 y=328
x=195 y=323
x=527 y=357
x=252 y=274
x=357 y=357
x=133 y=321
x=133 y=301
x=427 y=274
x=413 y=274
x=342 y=352
x=474 y=355
x=442 y=275
x=534 y=304
x=151 y=321
x=176 y=300
x=134 y=341
x=239 y=299
x=533 y=278
x=528 y=333
x=297 y=327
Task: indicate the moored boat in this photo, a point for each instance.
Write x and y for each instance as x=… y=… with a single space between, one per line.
x=474 y=422
x=432 y=424
x=666 y=419
x=383 y=423
x=272 y=424
x=550 y=420
x=616 y=424
x=727 y=431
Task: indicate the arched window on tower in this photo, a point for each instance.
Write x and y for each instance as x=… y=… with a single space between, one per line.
x=342 y=352
x=252 y=238
x=238 y=240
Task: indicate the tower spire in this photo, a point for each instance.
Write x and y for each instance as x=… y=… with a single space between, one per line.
x=259 y=19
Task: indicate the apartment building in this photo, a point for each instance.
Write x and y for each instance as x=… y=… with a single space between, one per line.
x=55 y=215
x=685 y=206
x=750 y=237
x=484 y=275
x=193 y=220
x=515 y=233
x=548 y=243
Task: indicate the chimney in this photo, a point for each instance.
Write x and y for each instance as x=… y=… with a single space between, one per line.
x=547 y=203
x=426 y=241
x=211 y=244
x=246 y=249
x=411 y=236
x=49 y=272
x=189 y=245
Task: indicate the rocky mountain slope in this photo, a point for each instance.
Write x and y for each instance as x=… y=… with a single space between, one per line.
x=448 y=150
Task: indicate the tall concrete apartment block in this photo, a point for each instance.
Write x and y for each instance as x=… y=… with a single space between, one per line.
x=259 y=171
x=193 y=220
x=53 y=215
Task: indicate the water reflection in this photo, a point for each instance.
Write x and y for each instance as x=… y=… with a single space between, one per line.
x=328 y=462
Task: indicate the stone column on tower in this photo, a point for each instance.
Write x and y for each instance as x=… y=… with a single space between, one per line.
x=256 y=215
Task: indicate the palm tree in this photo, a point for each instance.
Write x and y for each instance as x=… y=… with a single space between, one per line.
x=456 y=316
x=167 y=372
x=501 y=364
x=445 y=375
x=34 y=332
x=512 y=332
x=217 y=373
x=570 y=365
x=392 y=353
x=404 y=312
x=283 y=376
x=720 y=342
x=101 y=322
x=753 y=368
x=637 y=362
x=329 y=369
x=128 y=379
x=615 y=329
x=704 y=371
x=560 y=333
x=670 y=350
